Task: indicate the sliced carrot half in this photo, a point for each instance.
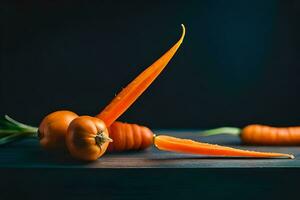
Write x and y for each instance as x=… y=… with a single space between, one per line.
x=168 y=143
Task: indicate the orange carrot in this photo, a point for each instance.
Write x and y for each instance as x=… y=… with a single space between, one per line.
x=129 y=137
x=261 y=135
x=173 y=144
x=134 y=89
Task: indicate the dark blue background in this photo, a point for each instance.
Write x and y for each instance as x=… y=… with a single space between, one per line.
x=239 y=63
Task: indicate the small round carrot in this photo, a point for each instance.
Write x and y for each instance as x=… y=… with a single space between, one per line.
x=53 y=128
x=173 y=144
x=129 y=137
x=256 y=134
x=87 y=138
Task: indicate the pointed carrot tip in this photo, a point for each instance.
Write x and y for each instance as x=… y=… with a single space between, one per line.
x=183 y=33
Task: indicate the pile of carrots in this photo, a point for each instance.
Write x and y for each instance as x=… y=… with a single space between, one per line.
x=88 y=138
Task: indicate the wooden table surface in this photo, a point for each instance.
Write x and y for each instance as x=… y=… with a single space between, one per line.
x=135 y=175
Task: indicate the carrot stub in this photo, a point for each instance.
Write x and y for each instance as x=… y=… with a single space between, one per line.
x=173 y=144
x=127 y=136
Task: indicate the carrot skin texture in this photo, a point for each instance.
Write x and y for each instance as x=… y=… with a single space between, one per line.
x=173 y=144
x=129 y=137
x=267 y=135
x=134 y=89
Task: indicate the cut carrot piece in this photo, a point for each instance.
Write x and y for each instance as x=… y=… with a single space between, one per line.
x=134 y=89
x=173 y=144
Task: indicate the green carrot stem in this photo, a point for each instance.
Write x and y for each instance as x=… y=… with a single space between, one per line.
x=11 y=130
x=223 y=130
x=20 y=125
x=13 y=137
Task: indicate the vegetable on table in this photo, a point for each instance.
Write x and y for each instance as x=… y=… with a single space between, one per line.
x=87 y=138
x=167 y=143
x=256 y=134
x=53 y=129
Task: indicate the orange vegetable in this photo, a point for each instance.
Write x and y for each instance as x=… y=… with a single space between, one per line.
x=87 y=138
x=129 y=137
x=118 y=105
x=53 y=128
x=173 y=144
x=261 y=135
x=134 y=89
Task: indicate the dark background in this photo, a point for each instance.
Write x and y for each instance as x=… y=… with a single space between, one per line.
x=239 y=63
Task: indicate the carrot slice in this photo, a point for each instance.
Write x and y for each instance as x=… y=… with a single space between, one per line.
x=134 y=89
x=173 y=144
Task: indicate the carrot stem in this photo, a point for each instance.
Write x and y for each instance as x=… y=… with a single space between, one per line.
x=167 y=143
x=223 y=130
x=13 y=137
x=19 y=124
x=134 y=89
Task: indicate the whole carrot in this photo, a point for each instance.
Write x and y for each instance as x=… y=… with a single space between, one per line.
x=256 y=134
x=173 y=144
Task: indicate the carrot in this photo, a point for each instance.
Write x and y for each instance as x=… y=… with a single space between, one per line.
x=129 y=137
x=261 y=135
x=134 y=89
x=173 y=144
x=53 y=128
x=87 y=138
